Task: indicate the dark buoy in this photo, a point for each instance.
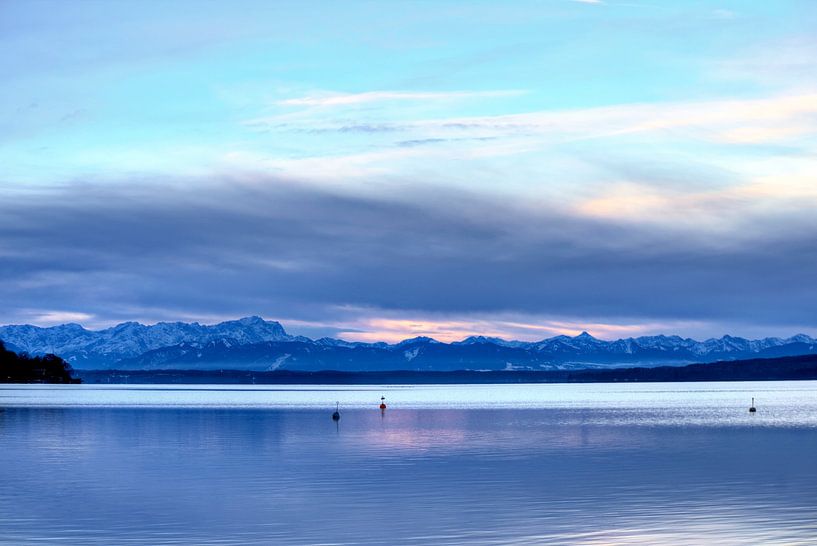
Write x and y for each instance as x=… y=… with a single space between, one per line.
x=336 y=415
x=382 y=402
x=752 y=407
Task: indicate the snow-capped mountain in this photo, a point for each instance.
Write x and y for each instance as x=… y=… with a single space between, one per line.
x=253 y=343
x=495 y=340
x=101 y=348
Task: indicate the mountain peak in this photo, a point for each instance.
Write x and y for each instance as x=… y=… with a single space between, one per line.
x=252 y=323
x=584 y=335
x=470 y=340
x=254 y=319
x=418 y=339
x=129 y=325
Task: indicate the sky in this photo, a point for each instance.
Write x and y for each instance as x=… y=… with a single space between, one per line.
x=381 y=170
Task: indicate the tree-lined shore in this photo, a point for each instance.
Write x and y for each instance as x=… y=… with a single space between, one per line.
x=22 y=368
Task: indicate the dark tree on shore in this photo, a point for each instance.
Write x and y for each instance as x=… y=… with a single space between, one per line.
x=23 y=368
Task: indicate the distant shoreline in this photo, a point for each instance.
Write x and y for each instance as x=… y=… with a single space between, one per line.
x=769 y=369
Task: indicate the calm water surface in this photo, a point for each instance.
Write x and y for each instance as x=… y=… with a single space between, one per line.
x=482 y=464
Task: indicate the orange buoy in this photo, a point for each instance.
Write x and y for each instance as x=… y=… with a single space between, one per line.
x=382 y=402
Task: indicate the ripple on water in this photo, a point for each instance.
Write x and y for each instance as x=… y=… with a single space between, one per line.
x=597 y=464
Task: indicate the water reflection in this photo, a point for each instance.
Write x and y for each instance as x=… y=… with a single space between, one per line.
x=568 y=475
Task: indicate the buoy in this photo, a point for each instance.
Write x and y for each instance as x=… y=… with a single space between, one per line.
x=336 y=415
x=752 y=407
x=382 y=402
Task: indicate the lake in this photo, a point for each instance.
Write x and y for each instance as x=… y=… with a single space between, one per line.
x=679 y=463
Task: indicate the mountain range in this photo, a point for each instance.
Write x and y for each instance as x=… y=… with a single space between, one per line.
x=253 y=343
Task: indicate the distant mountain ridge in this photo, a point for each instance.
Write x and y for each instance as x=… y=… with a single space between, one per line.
x=101 y=348
x=252 y=343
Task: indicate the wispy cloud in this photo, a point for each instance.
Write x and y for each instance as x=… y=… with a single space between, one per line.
x=532 y=145
x=784 y=184
x=728 y=120
x=377 y=325
x=51 y=318
x=351 y=99
x=711 y=119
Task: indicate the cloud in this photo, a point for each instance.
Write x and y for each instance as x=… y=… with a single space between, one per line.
x=786 y=185
x=352 y=99
x=709 y=119
x=670 y=163
x=769 y=119
x=50 y=318
x=374 y=325
x=430 y=141
x=228 y=247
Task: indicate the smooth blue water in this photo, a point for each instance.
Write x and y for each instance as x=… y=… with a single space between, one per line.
x=497 y=464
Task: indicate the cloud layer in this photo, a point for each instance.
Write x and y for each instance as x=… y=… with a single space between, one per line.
x=230 y=247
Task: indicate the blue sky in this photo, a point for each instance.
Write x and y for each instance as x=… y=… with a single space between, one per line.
x=382 y=170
